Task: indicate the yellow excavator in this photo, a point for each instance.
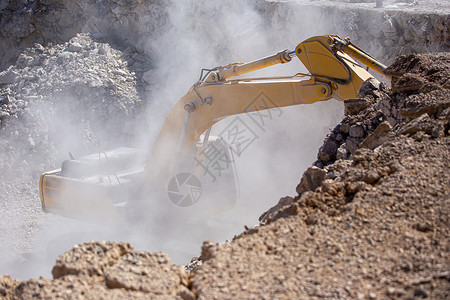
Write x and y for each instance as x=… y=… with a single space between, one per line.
x=186 y=161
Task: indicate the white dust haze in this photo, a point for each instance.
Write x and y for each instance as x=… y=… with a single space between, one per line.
x=206 y=34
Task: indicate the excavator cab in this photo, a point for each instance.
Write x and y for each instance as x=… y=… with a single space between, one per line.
x=103 y=187
x=92 y=187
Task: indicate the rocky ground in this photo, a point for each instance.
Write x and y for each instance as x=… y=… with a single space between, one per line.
x=370 y=220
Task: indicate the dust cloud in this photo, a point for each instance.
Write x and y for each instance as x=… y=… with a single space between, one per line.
x=206 y=34
x=202 y=34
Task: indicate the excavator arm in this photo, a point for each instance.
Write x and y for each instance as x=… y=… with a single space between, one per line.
x=95 y=184
x=333 y=73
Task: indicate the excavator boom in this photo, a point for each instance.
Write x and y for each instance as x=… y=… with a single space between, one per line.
x=332 y=74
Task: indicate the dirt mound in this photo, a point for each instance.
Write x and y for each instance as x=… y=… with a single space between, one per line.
x=105 y=270
x=374 y=226
x=368 y=223
x=81 y=87
x=420 y=72
x=379 y=229
x=419 y=85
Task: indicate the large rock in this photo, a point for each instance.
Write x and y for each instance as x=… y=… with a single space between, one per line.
x=151 y=273
x=7 y=287
x=105 y=270
x=311 y=179
x=91 y=259
x=76 y=288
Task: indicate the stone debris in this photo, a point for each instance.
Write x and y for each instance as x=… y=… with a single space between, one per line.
x=105 y=270
x=143 y=271
x=375 y=223
x=370 y=225
x=377 y=137
x=81 y=88
x=123 y=23
x=369 y=119
x=7 y=287
x=89 y=259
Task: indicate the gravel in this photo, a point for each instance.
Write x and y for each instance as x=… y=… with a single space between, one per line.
x=373 y=225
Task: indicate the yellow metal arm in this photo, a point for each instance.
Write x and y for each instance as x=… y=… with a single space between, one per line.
x=333 y=74
x=359 y=54
x=239 y=69
x=211 y=102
